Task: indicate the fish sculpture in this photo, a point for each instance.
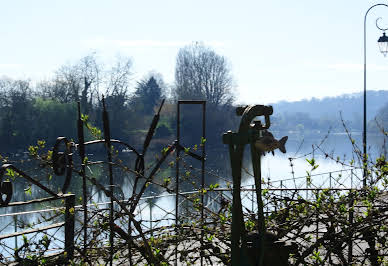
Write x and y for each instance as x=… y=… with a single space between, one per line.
x=268 y=143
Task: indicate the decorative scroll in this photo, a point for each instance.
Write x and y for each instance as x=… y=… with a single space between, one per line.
x=63 y=160
x=5 y=189
x=6 y=186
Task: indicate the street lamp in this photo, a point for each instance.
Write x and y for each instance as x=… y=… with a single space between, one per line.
x=383 y=45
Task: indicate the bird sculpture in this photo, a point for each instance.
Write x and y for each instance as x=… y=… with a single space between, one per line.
x=267 y=143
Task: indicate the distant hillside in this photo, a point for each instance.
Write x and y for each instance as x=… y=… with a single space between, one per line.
x=351 y=106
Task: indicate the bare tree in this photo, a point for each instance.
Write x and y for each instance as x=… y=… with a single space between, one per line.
x=117 y=83
x=116 y=91
x=201 y=73
x=89 y=72
x=119 y=77
x=78 y=82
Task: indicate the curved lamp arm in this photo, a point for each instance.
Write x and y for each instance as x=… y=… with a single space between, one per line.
x=364 y=127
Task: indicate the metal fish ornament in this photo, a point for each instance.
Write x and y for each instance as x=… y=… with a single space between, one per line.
x=268 y=143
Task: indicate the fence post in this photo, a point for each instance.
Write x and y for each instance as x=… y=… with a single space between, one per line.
x=81 y=149
x=15 y=219
x=151 y=203
x=317 y=220
x=330 y=177
x=307 y=186
x=69 y=226
x=351 y=178
x=253 y=197
x=350 y=241
x=267 y=204
x=281 y=188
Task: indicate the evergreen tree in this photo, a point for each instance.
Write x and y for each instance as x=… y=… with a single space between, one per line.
x=147 y=95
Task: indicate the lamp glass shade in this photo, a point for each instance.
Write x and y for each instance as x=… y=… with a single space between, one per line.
x=383 y=44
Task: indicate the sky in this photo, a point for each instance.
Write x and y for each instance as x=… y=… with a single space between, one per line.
x=277 y=50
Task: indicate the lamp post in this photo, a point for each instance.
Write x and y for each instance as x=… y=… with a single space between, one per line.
x=383 y=45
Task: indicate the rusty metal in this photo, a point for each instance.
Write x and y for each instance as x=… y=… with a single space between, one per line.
x=135 y=201
x=105 y=121
x=151 y=258
x=63 y=160
x=62 y=163
x=125 y=237
x=7 y=188
x=351 y=217
x=249 y=132
x=152 y=128
x=139 y=169
x=177 y=142
x=30 y=231
x=81 y=150
x=256 y=165
x=139 y=164
x=69 y=226
x=200 y=158
x=188 y=152
x=203 y=140
x=114 y=141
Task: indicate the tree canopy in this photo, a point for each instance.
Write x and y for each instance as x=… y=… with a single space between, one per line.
x=202 y=74
x=148 y=94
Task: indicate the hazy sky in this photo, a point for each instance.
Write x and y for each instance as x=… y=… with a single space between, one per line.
x=278 y=50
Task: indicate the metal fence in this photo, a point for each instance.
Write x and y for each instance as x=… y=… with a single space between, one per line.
x=158 y=216
x=174 y=226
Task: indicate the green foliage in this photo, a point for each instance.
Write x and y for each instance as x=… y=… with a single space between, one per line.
x=28 y=190
x=250 y=225
x=312 y=163
x=213 y=186
x=11 y=173
x=317 y=256
x=94 y=131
